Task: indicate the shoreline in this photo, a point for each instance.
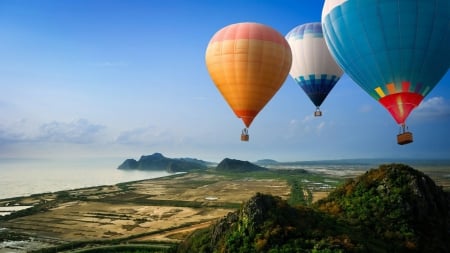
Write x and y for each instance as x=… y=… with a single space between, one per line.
x=166 y=208
x=92 y=186
x=7 y=205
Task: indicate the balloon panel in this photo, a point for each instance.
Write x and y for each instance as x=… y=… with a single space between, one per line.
x=382 y=45
x=400 y=105
x=317 y=87
x=313 y=68
x=248 y=63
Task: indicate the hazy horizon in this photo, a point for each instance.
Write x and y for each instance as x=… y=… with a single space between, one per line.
x=114 y=162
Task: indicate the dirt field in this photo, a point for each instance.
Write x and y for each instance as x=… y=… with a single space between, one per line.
x=164 y=209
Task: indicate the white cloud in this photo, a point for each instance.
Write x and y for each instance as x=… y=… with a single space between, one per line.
x=432 y=108
x=19 y=131
x=305 y=127
x=365 y=108
x=78 y=131
x=320 y=127
x=307 y=119
x=143 y=135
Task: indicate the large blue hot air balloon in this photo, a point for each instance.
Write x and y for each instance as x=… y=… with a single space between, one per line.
x=396 y=50
x=313 y=67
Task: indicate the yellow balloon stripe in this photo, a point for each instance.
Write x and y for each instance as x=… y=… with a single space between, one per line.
x=380 y=92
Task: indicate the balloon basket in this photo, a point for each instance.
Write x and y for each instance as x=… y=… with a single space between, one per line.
x=317 y=113
x=245 y=137
x=404 y=138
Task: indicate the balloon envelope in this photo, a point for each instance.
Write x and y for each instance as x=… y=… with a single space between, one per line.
x=313 y=67
x=396 y=50
x=248 y=63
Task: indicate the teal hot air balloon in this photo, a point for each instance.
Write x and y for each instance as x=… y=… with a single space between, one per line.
x=313 y=67
x=396 y=50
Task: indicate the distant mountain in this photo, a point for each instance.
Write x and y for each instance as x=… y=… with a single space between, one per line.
x=390 y=209
x=264 y=162
x=159 y=162
x=233 y=165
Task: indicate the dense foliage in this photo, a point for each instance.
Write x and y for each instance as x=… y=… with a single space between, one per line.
x=390 y=209
x=300 y=195
x=269 y=224
x=398 y=204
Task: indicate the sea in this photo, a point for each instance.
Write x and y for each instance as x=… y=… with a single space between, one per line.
x=24 y=177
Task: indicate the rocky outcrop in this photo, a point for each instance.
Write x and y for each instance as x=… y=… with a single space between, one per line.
x=158 y=162
x=399 y=204
x=129 y=164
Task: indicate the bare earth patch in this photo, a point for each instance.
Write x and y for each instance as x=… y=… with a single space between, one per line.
x=109 y=212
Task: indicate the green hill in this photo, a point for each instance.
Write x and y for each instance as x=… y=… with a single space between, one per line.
x=157 y=161
x=233 y=165
x=390 y=209
x=397 y=204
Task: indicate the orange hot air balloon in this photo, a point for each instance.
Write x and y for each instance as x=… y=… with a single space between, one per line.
x=248 y=63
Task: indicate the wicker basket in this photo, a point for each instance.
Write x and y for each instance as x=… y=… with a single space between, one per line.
x=404 y=138
x=317 y=113
x=244 y=137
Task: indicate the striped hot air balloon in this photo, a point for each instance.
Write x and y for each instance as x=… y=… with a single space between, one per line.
x=313 y=67
x=248 y=63
x=396 y=50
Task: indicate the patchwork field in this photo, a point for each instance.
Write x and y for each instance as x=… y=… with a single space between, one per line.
x=163 y=210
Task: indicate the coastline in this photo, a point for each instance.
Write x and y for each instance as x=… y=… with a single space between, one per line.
x=165 y=209
x=160 y=209
x=22 y=182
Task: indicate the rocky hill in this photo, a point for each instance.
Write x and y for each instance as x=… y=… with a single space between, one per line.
x=398 y=204
x=159 y=162
x=390 y=209
x=233 y=165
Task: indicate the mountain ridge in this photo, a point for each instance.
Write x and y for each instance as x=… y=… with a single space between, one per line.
x=159 y=162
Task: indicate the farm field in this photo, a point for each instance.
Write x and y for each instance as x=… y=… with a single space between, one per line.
x=162 y=210
x=157 y=211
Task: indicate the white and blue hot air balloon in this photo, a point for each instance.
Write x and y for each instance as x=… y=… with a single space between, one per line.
x=313 y=67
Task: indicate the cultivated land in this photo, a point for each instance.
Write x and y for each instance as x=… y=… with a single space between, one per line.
x=163 y=210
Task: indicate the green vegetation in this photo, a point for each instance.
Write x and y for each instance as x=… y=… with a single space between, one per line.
x=398 y=204
x=269 y=224
x=110 y=247
x=390 y=209
x=300 y=195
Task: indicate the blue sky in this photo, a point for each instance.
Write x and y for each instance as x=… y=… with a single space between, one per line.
x=121 y=79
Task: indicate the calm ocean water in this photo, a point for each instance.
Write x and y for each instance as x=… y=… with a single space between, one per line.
x=26 y=177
